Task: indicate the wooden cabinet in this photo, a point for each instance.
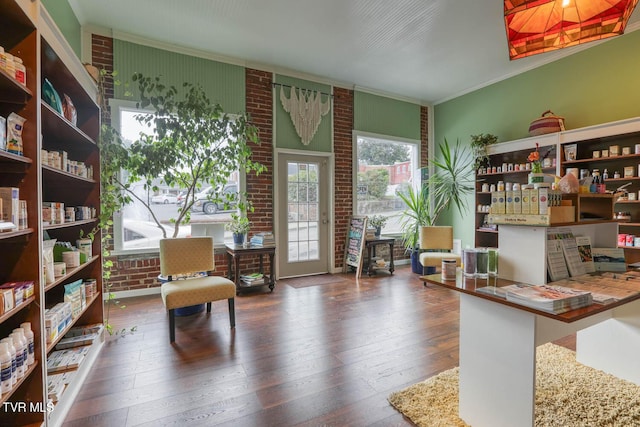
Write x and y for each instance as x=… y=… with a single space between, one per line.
x=593 y=147
x=46 y=55
x=507 y=154
x=20 y=250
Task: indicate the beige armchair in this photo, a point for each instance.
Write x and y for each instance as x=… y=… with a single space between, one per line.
x=183 y=256
x=436 y=243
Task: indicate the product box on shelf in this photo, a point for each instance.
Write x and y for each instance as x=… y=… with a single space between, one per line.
x=52 y=213
x=18 y=290
x=10 y=204
x=6 y=300
x=65 y=360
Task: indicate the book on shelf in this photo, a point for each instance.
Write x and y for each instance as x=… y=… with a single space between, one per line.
x=252 y=278
x=556 y=266
x=609 y=259
x=586 y=256
x=549 y=298
x=570 y=252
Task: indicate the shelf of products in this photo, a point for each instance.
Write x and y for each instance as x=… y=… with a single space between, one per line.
x=20 y=253
x=611 y=150
x=70 y=165
x=513 y=155
x=70 y=135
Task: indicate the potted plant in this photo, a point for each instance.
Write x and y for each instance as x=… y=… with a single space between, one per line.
x=479 y=144
x=239 y=226
x=191 y=143
x=377 y=222
x=450 y=185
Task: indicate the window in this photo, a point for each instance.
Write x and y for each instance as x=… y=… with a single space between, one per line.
x=385 y=166
x=135 y=229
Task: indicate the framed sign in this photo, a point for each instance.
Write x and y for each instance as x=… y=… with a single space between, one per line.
x=355 y=243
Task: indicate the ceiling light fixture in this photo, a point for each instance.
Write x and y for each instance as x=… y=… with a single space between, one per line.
x=537 y=26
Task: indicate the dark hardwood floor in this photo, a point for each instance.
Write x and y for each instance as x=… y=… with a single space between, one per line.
x=318 y=351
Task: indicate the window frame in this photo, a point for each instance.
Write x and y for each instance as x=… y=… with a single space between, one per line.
x=117 y=106
x=415 y=164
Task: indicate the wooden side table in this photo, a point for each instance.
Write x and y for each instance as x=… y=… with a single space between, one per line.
x=236 y=252
x=371 y=253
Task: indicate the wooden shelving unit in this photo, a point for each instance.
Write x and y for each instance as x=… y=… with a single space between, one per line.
x=79 y=140
x=624 y=134
x=514 y=152
x=20 y=252
x=29 y=32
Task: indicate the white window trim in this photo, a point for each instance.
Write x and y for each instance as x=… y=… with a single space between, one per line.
x=355 y=134
x=116 y=106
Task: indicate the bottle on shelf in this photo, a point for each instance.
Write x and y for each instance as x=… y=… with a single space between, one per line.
x=20 y=71
x=28 y=333
x=6 y=383
x=14 y=359
x=21 y=363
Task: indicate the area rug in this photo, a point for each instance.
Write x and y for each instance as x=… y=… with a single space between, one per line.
x=567 y=394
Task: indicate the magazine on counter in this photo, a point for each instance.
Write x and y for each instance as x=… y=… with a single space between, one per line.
x=549 y=298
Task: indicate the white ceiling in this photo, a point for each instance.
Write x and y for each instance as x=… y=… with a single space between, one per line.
x=424 y=50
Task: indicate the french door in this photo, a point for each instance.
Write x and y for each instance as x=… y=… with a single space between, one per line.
x=303 y=201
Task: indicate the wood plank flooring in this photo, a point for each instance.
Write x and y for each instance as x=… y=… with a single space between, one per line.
x=318 y=351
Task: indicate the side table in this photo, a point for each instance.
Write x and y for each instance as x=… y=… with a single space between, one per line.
x=234 y=255
x=371 y=244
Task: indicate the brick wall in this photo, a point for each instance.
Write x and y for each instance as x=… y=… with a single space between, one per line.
x=424 y=136
x=134 y=272
x=259 y=106
x=343 y=179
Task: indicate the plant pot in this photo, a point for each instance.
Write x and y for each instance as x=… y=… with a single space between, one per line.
x=378 y=232
x=238 y=238
x=416 y=267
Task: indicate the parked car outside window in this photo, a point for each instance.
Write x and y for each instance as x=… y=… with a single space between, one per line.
x=204 y=205
x=164 y=198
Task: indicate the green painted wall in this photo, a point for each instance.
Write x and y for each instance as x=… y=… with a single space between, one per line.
x=385 y=116
x=223 y=83
x=286 y=136
x=598 y=85
x=66 y=21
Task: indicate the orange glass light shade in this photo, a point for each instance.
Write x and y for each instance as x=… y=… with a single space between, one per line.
x=537 y=26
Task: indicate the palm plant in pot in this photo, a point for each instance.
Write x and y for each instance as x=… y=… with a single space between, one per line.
x=449 y=186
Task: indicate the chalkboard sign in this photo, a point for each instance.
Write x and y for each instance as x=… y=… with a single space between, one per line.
x=355 y=243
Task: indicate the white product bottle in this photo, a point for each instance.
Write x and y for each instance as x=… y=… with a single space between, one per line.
x=20 y=360
x=28 y=334
x=10 y=66
x=25 y=347
x=20 y=71
x=14 y=362
x=6 y=383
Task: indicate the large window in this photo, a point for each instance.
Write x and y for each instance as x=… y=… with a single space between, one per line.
x=385 y=166
x=134 y=227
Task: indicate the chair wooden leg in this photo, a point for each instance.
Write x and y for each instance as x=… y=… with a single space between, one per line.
x=209 y=307
x=172 y=325
x=232 y=312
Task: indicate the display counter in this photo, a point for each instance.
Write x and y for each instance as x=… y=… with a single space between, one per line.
x=498 y=341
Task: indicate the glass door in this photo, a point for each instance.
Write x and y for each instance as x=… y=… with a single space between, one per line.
x=303 y=237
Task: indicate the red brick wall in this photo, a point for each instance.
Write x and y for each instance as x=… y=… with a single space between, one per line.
x=131 y=272
x=259 y=106
x=343 y=179
x=424 y=136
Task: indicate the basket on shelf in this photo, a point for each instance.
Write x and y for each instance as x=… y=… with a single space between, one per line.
x=547 y=123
